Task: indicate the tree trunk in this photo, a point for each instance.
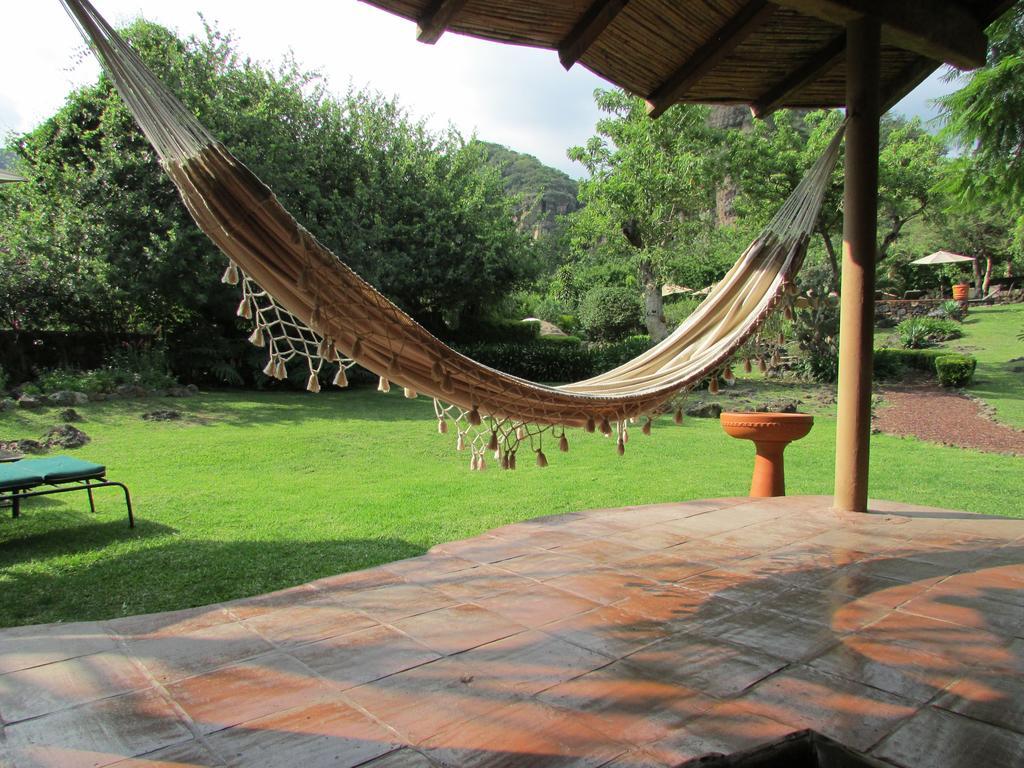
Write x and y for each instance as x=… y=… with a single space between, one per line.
x=977 y=279
x=654 y=309
x=833 y=261
x=988 y=277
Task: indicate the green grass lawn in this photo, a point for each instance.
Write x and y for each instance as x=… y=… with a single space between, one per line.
x=255 y=492
x=990 y=334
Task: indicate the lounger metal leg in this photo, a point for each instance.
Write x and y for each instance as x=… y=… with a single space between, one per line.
x=15 y=505
x=92 y=504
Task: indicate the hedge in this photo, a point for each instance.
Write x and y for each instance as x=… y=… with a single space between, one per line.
x=550 y=360
x=955 y=370
x=891 y=363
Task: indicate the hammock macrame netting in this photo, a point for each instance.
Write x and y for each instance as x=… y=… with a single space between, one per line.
x=309 y=308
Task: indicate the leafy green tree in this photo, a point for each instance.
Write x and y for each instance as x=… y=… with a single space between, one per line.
x=650 y=193
x=98 y=238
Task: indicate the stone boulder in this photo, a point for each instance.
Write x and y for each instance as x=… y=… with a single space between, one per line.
x=8 y=403
x=131 y=390
x=67 y=397
x=69 y=415
x=22 y=446
x=162 y=415
x=65 y=436
x=779 y=406
x=703 y=410
x=30 y=401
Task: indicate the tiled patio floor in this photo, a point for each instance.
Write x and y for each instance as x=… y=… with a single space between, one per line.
x=642 y=636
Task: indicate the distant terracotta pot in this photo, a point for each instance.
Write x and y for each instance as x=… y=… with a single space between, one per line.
x=771 y=433
x=961 y=291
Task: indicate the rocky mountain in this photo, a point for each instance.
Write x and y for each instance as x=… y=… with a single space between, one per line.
x=543 y=193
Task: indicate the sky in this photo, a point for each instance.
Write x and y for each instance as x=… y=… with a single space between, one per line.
x=520 y=97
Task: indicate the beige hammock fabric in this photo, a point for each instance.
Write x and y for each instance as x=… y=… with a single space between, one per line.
x=309 y=306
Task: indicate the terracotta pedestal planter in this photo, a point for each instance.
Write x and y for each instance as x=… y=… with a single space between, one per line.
x=771 y=433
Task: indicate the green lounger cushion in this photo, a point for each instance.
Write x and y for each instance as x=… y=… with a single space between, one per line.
x=57 y=469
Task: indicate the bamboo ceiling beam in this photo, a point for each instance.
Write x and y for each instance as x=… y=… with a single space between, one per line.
x=588 y=29
x=434 y=22
x=942 y=30
x=722 y=43
x=817 y=66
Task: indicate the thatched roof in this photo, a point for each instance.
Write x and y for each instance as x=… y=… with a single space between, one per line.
x=768 y=55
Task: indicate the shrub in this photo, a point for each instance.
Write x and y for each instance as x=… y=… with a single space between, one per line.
x=540 y=360
x=955 y=370
x=921 y=332
x=144 y=368
x=496 y=332
x=678 y=310
x=609 y=314
x=893 y=363
x=816 y=326
x=607 y=355
x=4 y=381
x=953 y=310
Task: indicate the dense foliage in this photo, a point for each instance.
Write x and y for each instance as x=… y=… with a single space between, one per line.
x=99 y=240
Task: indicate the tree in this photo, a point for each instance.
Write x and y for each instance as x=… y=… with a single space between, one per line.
x=98 y=238
x=650 y=193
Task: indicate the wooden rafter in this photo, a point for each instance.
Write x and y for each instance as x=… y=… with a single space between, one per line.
x=436 y=20
x=754 y=14
x=588 y=29
x=818 y=65
x=942 y=30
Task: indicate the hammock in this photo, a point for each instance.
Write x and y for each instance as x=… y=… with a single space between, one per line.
x=309 y=307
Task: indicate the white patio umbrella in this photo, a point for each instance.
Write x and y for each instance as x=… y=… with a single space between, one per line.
x=942 y=257
x=6 y=177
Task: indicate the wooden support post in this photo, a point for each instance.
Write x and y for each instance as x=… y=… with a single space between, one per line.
x=860 y=247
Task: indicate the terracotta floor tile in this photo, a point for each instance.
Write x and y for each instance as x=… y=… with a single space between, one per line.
x=602 y=551
x=710 y=666
x=735 y=586
x=429 y=566
x=427 y=699
x=98 y=733
x=997 y=699
x=608 y=630
x=907 y=672
x=527 y=733
x=33 y=646
x=664 y=566
x=272 y=601
x=725 y=729
x=678 y=609
x=308 y=623
x=357 y=581
x=875 y=589
x=546 y=537
x=654 y=538
x=626 y=705
x=543 y=566
x=602 y=585
x=403 y=758
x=474 y=583
x=897 y=568
x=849 y=712
x=966 y=607
x=830 y=609
x=937 y=739
x=459 y=628
x=177 y=656
x=327 y=734
x=242 y=692
x=485 y=549
x=706 y=551
x=778 y=634
x=361 y=657
x=530 y=662
x=189 y=754
x=395 y=601
x=964 y=645
x=154 y=625
x=537 y=605
x=41 y=690
x=1000 y=583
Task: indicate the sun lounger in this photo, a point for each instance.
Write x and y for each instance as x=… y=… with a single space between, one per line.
x=20 y=479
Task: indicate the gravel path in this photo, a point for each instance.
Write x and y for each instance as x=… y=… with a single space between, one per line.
x=944 y=416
